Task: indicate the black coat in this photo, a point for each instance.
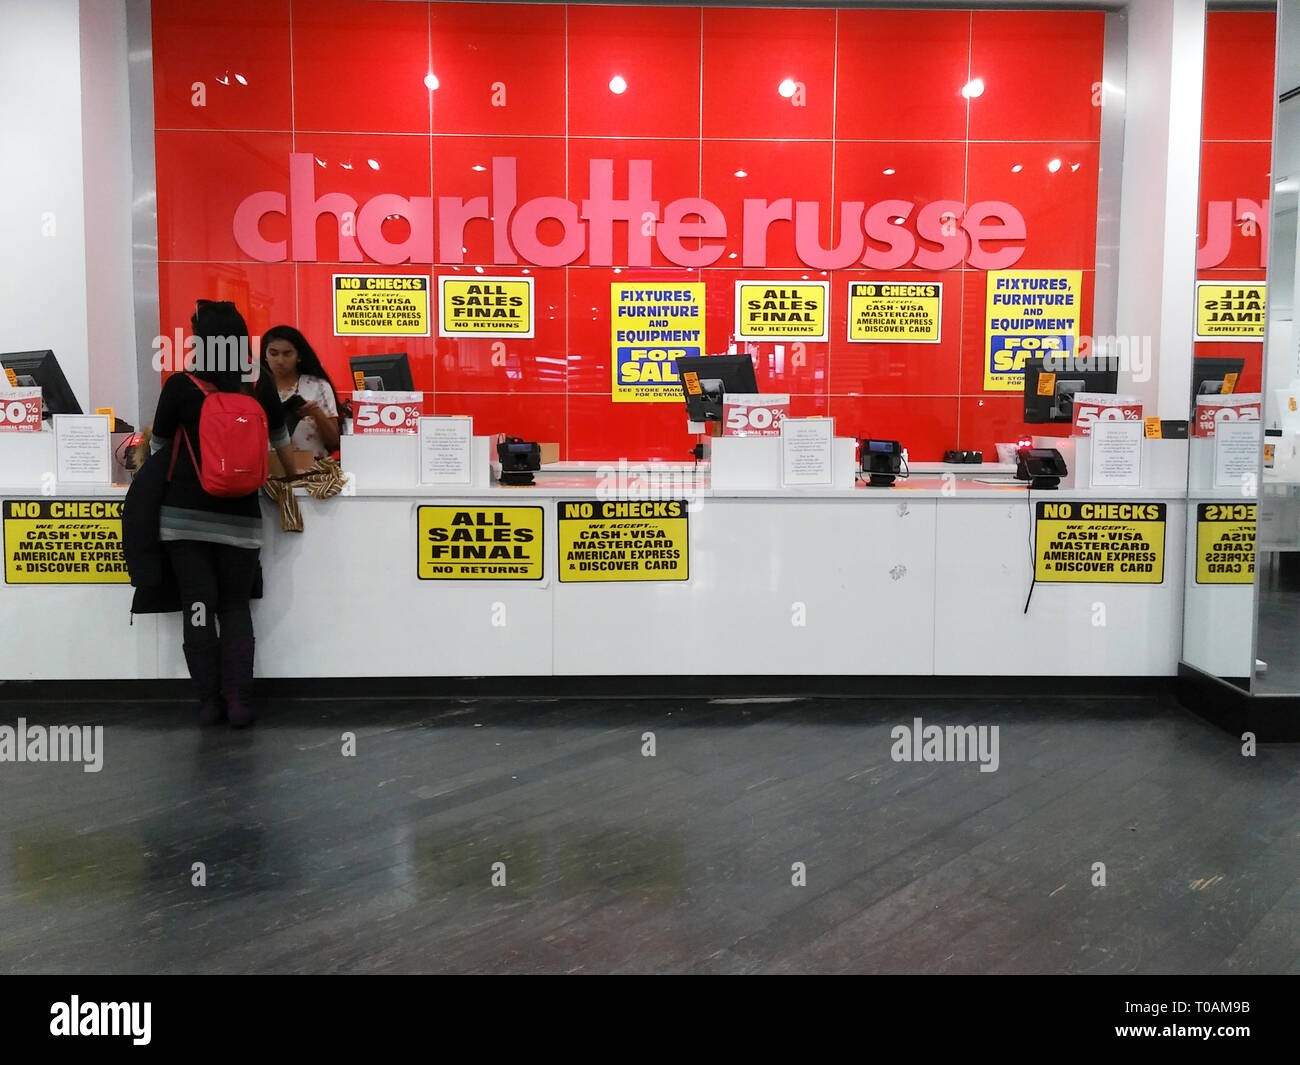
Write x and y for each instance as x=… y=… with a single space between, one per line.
x=156 y=590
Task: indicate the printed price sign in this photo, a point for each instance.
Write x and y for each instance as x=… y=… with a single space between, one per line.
x=1211 y=410
x=386 y=412
x=1090 y=407
x=754 y=414
x=20 y=410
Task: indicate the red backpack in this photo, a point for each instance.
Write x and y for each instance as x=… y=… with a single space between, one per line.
x=233 y=439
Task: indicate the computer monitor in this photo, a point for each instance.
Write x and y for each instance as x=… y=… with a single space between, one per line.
x=1056 y=403
x=41 y=369
x=382 y=373
x=1215 y=377
x=707 y=379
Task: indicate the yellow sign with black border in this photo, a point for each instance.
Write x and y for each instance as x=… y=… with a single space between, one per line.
x=623 y=540
x=895 y=312
x=64 y=541
x=782 y=310
x=1099 y=542
x=470 y=543
x=381 y=305
x=485 y=306
x=1230 y=310
x=1225 y=543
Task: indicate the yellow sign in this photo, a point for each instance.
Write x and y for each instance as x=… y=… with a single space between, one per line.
x=783 y=310
x=895 y=312
x=12 y=378
x=1152 y=429
x=381 y=305
x=64 y=541
x=479 y=543
x=1225 y=543
x=1230 y=310
x=1047 y=384
x=624 y=540
x=485 y=306
x=652 y=326
x=1099 y=543
x=1029 y=313
x=112 y=420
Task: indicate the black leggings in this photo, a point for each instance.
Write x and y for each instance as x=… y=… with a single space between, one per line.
x=216 y=582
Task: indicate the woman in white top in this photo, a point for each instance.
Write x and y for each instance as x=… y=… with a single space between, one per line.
x=293 y=369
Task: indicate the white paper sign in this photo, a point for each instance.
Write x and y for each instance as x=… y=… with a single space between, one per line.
x=81 y=448
x=1116 y=454
x=806 y=445
x=1236 y=454
x=445 y=450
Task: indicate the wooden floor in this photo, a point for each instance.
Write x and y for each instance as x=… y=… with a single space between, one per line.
x=680 y=862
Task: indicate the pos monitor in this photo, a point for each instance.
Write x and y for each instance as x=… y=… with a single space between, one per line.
x=41 y=369
x=381 y=373
x=707 y=379
x=1215 y=377
x=1051 y=399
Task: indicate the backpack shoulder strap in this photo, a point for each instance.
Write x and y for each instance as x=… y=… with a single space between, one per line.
x=206 y=387
x=171 y=465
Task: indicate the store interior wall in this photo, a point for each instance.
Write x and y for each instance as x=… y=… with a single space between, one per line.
x=42 y=209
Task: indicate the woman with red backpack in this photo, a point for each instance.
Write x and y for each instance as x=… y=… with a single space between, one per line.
x=210 y=520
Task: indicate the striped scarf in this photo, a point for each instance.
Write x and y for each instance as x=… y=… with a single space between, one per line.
x=323 y=480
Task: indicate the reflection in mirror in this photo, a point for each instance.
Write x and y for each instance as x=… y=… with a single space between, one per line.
x=1226 y=403
x=1278 y=623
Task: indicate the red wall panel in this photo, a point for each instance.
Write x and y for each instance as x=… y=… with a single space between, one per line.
x=344 y=81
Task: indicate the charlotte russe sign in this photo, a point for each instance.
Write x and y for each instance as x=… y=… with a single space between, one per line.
x=987 y=235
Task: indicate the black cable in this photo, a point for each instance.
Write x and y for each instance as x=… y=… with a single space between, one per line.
x=1033 y=547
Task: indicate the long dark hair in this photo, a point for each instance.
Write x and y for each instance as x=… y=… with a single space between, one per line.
x=224 y=350
x=308 y=361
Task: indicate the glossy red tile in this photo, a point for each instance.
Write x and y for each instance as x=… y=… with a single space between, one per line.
x=986 y=421
x=896 y=368
x=505 y=363
x=769 y=172
x=906 y=180
x=1252 y=356
x=363 y=167
x=755 y=90
x=504 y=173
x=359 y=66
x=1238 y=92
x=925 y=425
x=202 y=179
x=316 y=320
x=500 y=69
x=601 y=430
x=1234 y=213
x=1041 y=73
x=642 y=171
x=221 y=66
x=634 y=71
x=900 y=74
x=264 y=293
x=1055 y=191
x=539 y=417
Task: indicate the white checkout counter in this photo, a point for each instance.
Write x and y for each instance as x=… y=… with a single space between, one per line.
x=928 y=577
